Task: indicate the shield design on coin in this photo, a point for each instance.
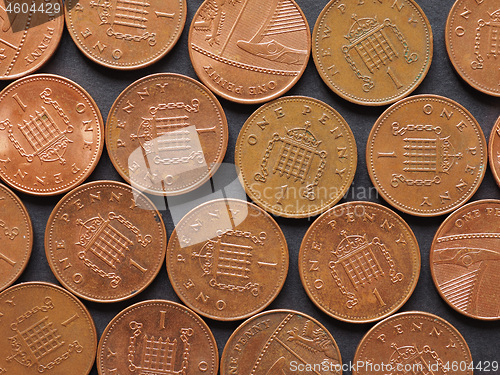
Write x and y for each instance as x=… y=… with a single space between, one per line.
x=409 y=360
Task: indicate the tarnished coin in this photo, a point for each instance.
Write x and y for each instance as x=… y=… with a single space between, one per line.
x=472 y=43
x=227 y=259
x=465 y=259
x=125 y=34
x=157 y=337
x=281 y=342
x=166 y=134
x=372 y=52
x=426 y=155
x=16 y=235
x=296 y=156
x=359 y=262
x=29 y=35
x=249 y=51
x=413 y=343
x=51 y=134
x=45 y=329
x=105 y=241
x=494 y=151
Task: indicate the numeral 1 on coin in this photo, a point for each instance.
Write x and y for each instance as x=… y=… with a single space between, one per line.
x=379 y=298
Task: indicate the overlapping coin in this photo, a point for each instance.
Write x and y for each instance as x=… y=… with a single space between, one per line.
x=227 y=259
x=52 y=134
x=296 y=156
x=494 y=151
x=465 y=259
x=105 y=241
x=426 y=155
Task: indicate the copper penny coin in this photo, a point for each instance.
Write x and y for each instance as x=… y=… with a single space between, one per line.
x=45 y=329
x=166 y=134
x=281 y=342
x=472 y=43
x=426 y=155
x=372 y=52
x=105 y=241
x=52 y=134
x=125 y=34
x=249 y=51
x=465 y=260
x=227 y=259
x=16 y=234
x=494 y=151
x=30 y=33
x=359 y=262
x=413 y=342
x=157 y=337
x=296 y=156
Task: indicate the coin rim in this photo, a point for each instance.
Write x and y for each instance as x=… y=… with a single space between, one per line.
x=494 y=170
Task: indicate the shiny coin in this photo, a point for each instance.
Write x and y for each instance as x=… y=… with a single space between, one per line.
x=45 y=329
x=52 y=134
x=125 y=34
x=227 y=259
x=359 y=262
x=249 y=51
x=281 y=342
x=296 y=156
x=16 y=235
x=472 y=43
x=426 y=155
x=166 y=134
x=494 y=151
x=157 y=337
x=416 y=343
x=372 y=52
x=105 y=241
x=465 y=260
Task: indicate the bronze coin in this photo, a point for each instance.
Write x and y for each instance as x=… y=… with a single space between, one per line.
x=372 y=52
x=45 y=329
x=166 y=134
x=16 y=234
x=125 y=34
x=281 y=342
x=105 y=241
x=227 y=259
x=52 y=134
x=413 y=342
x=30 y=34
x=465 y=259
x=494 y=151
x=426 y=155
x=472 y=43
x=296 y=156
x=359 y=262
x=249 y=51
x=157 y=337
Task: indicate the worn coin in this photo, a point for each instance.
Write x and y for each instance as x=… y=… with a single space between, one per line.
x=281 y=342
x=125 y=34
x=30 y=33
x=249 y=51
x=426 y=155
x=227 y=259
x=296 y=156
x=465 y=259
x=16 y=235
x=494 y=151
x=372 y=52
x=105 y=241
x=166 y=134
x=157 y=337
x=413 y=343
x=45 y=329
x=472 y=43
x=51 y=134
x=359 y=262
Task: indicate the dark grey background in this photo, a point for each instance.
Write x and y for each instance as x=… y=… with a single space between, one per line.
x=106 y=84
